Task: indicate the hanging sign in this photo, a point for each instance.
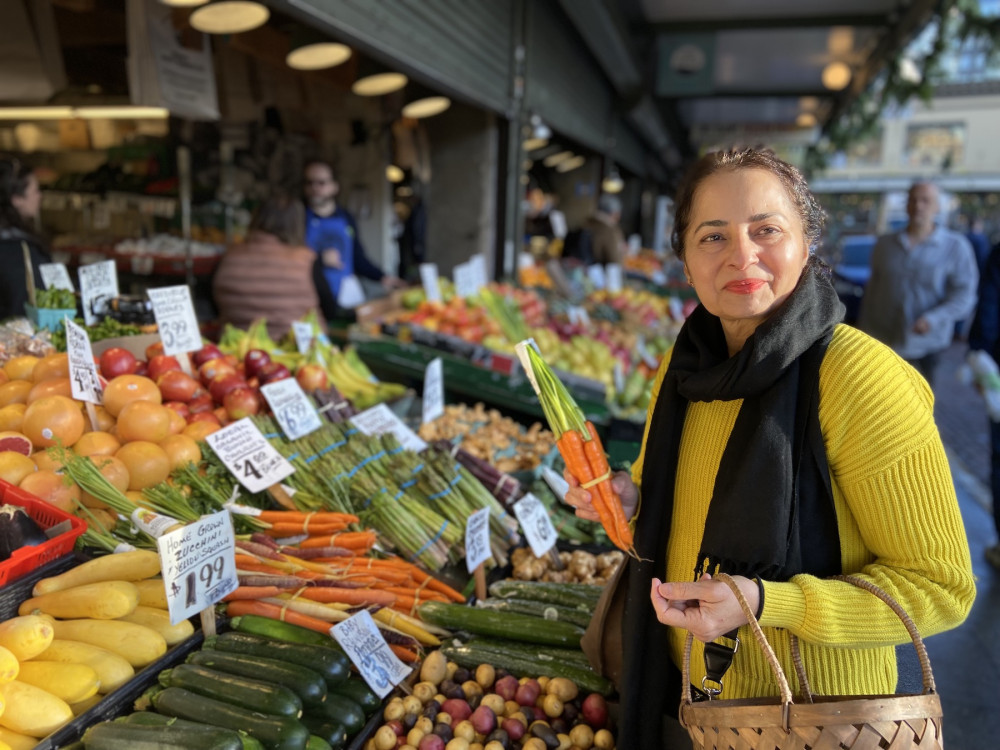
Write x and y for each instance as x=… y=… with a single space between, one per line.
x=380 y=419
x=292 y=408
x=248 y=455
x=84 y=383
x=433 y=390
x=536 y=524
x=98 y=286
x=55 y=276
x=479 y=276
x=465 y=280
x=366 y=648
x=429 y=279
x=303 y=333
x=175 y=319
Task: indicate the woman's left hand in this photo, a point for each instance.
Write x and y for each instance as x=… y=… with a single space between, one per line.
x=708 y=608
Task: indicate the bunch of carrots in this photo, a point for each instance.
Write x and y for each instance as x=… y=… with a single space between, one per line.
x=579 y=445
x=329 y=577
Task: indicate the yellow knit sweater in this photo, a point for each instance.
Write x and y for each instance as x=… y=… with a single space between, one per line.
x=898 y=520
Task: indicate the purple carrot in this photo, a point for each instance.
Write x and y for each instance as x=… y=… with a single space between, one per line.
x=259 y=538
x=310 y=554
x=281 y=582
x=258 y=549
x=338 y=584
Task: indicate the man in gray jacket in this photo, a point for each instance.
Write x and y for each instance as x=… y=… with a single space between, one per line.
x=923 y=280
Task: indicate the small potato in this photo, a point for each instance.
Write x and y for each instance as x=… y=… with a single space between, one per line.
x=412 y=705
x=434 y=669
x=485 y=676
x=562 y=688
x=385 y=738
x=604 y=740
x=552 y=706
x=465 y=730
x=424 y=691
x=394 y=710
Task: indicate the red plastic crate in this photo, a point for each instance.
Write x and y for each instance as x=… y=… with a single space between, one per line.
x=26 y=559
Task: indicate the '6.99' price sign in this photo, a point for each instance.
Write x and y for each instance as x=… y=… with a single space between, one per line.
x=291 y=407
x=248 y=455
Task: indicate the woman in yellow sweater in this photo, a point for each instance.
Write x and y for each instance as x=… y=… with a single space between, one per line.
x=781 y=447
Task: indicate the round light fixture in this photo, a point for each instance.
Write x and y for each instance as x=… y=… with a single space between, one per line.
x=379 y=84
x=318 y=56
x=836 y=76
x=229 y=17
x=533 y=144
x=426 y=107
x=183 y=3
x=805 y=120
x=394 y=173
x=554 y=159
x=572 y=163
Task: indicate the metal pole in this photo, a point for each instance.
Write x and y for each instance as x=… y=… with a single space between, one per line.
x=184 y=186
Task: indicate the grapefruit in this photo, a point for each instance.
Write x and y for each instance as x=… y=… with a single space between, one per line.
x=53 y=419
x=11 y=416
x=52 y=387
x=15 y=392
x=52 y=366
x=55 y=489
x=143 y=420
x=97 y=444
x=127 y=388
x=15 y=441
x=198 y=431
x=104 y=420
x=181 y=450
x=177 y=422
x=45 y=461
x=15 y=466
x=147 y=463
x=20 y=368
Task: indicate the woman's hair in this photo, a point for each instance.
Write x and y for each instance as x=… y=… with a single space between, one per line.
x=14 y=178
x=282 y=216
x=733 y=160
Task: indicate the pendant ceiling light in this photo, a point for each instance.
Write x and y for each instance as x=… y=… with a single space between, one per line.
x=836 y=76
x=533 y=144
x=394 y=174
x=612 y=182
x=426 y=107
x=378 y=83
x=553 y=160
x=574 y=162
x=229 y=16
x=310 y=50
x=806 y=120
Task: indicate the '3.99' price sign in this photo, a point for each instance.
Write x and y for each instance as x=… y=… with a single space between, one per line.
x=175 y=319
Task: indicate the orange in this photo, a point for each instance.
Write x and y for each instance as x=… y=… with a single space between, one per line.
x=147 y=463
x=15 y=392
x=97 y=444
x=4 y=378
x=126 y=388
x=52 y=366
x=114 y=471
x=15 y=441
x=11 y=416
x=15 y=466
x=177 y=423
x=198 y=431
x=181 y=450
x=53 y=419
x=50 y=387
x=46 y=462
x=20 y=368
x=143 y=420
x=104 y=420
x=55 y=489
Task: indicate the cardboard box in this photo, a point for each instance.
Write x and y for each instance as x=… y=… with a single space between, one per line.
x=135 y=344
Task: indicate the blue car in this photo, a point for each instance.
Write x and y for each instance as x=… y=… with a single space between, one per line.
x=852 y=270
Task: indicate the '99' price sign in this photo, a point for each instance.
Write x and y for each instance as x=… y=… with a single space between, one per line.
x=248 y=455
x=291 y=407
x=175 y=319
x=198 y=564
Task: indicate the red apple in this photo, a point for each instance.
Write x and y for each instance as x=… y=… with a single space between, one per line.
x=272 y=372
x=214 y=367
x=180 y=408
x=207 y=352
x=204 y=416
x=255 y=360
x=201 y=403
x=141 y=368
x=178 y=386
x=117 y=361
x=220 y=385
x=154 y=349
x=241 y=402
x=312 y=378
x=161 y=363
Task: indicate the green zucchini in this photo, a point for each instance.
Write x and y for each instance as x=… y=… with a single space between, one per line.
x=281 y=631
x=111 y=735
x=545 y=610
x=565 y=594
x=332 y=664
x=572 y=657
x=358 y=691
x=316 y=742
x=274 y=732
x=248 y=693
x=471 y=657
x=153 y=719
x=331 y=731
x=307 y=683
x=506 y=625
x=337 y=708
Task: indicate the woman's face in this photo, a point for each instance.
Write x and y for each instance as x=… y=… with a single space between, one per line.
x=744 y=250
x=28 y=204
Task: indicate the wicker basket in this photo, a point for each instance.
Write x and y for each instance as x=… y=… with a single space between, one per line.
x=885 y=722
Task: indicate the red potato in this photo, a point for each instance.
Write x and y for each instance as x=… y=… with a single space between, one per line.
x=595 y=711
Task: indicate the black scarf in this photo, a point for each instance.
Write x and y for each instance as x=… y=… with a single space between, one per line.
x=772 y=512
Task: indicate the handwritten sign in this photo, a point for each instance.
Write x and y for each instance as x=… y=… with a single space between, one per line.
x=303 y=333
x=248 y=455
x=292 y=408
x=351 y=294
x=477 y=539
x=578 y=315
x=480 y=278
x=644 y=354
x=380 y=419
x=429 y=279
x=596 y=275
x=465 y=280
x=618 y=372
x=433 y=390
x=613 y=274
x=198 y=564
x=98 y=286
x=366 y=648
x=55 y=276
x=84 y=383
x=175 y=318
x=536 y=524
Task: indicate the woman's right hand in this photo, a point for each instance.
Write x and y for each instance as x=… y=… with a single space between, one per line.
x=582 y=500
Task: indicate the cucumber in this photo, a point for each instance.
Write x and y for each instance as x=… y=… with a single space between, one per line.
x=332 y=664
x=281 y=631
x=153 y=719
x=358 y=691
x=331 y=731
x=571 y=657
x=248 y=693
x=565 y=594
x=317 y=743
x=337 y=708
x=112 y=735
x=501 y=625
x=471 y=657
x=545 y=610
x=274 y=732
x=307 y=683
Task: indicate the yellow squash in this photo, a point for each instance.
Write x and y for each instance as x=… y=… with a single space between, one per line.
x=113 y=670
x=159 y=620
x=86 y=705
x=17 y=741
x=8 y=666
x=69 y=682
x=27 y=636
x=138 y=644
x=125 y=566
x=152 y=593
x=32 y=711
x=105 y=600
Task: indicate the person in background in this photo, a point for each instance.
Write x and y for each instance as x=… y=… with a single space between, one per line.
x=270 y=275
x=332 y=234
x=607 y=243
x=20 y=201
x=923 y=281
x=781 y=447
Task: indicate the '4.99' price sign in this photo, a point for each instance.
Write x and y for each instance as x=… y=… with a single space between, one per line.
x=248 y=455
x=175 y=319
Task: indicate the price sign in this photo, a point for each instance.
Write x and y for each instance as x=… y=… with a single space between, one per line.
x=634 y=244
x=55 y=276
x=175 y=318
x=676 y=307
x=577 y=314
x=380 y=419
x=303 y=333
x=433 y=390
x=525 y=260
x=198 y=564
x=613 y=273
x=644 y=353
x=536 y=524
x=98 y=286
x=292 y=408
x=658 y=277
x=101 y=215
x=248 y=455
x=366 y=648
x=479 y=276
x=84 y=383
x=477 y=539
x=555 y=482
x=596 y=275
x=619 y=376
x=465 y=280
x=351 y=294
x=429 y=278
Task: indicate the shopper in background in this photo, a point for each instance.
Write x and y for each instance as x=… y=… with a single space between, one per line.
x=20 y=201
x=332 y=234
x=923 y=281
x=607 y=243
x=782 y=447
x=270 y=275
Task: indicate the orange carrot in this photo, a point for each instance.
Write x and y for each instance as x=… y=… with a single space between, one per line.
x=422 y=595
x=357 y=597
x=253 y=592
x=404 y=653
x=353 y=540
x=254 y=566
x=254 y=607
x=607 y=503
x=280 y=530
x=290 y=516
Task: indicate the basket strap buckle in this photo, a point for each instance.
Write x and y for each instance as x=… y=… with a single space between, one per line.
x=718 y=659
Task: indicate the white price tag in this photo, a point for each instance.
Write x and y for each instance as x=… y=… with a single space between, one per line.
x=596 y=275
x=525 y=260
x=613 y=273
x=577 y=314
x=101 y=215
x=658 y=277
x=381 y=419
x=292 y=408
x=175 y=318
x=644 y=353
x=634 y=244
x=366 y=648
x=675 y=307
x=248 y=455
x=536 y=524
x=55 y=276
x=303 y=333
x=465 y=281
x=198 y=564
x=479 y=276
x=433 y=390
x=477 y=539
x=351 y=294
x=153 y=523
x=619 y=375
x=429 y=278
x=555 y=482
x=98 y=286
x=84 y=383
